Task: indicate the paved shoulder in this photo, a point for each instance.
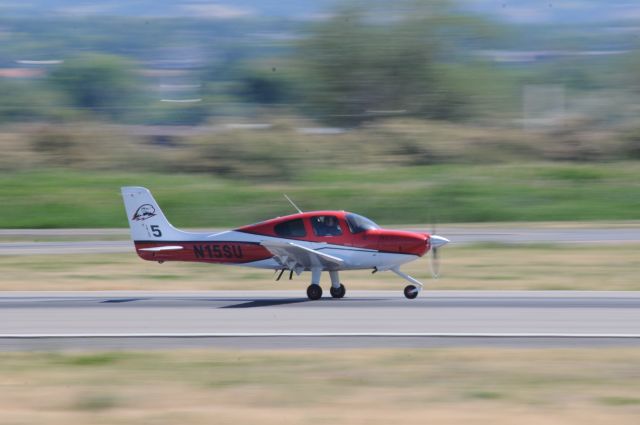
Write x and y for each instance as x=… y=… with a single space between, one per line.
x=457 y=234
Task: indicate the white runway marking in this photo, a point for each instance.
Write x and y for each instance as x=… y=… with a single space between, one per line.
x=320 y=335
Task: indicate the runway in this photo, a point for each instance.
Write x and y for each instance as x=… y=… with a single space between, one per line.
x=459 y=235
x=286 y=319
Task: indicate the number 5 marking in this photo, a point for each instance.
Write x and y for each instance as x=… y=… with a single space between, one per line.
x=155 y=229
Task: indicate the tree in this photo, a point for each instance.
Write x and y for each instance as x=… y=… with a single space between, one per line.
x=367 y=59
x=104 y=84
x=26 y=101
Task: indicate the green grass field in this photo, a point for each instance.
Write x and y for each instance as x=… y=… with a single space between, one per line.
x=446 y=193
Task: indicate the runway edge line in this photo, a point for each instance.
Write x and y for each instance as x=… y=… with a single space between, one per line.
x=320 y=335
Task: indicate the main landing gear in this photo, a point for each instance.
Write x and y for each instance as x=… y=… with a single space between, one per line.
x=338 y=292
x=314 y=291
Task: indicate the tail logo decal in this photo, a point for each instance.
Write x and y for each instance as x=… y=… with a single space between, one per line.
x=144 y=212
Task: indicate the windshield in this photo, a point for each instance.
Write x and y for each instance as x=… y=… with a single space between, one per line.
x=358 y=223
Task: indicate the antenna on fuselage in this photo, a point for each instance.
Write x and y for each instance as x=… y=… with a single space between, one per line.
x=291 y=202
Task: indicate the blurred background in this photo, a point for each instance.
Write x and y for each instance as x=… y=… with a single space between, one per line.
x=511 y=110
x=410 y=112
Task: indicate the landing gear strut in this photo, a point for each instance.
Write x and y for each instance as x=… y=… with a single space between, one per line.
x=337 y=289
x=338 y=292
x=410 y=291
x=314 y=291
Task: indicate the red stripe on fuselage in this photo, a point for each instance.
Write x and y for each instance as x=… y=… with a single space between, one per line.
x=228 y=252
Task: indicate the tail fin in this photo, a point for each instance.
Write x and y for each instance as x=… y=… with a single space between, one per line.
x=146 y=220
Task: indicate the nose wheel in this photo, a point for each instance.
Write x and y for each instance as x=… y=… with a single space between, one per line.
x=314 y=292
x=410 y=291
x=338 y=292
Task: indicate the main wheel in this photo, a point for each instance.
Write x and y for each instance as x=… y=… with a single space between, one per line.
x=410 y=291
x=338 y=292
x=314 y=292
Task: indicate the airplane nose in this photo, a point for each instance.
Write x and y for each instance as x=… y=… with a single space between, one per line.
x=438 y=241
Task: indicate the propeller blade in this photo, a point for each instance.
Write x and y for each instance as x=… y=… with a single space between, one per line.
x=435 y=263
x=436 y=242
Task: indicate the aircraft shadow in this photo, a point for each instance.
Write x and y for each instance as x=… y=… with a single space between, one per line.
x=121 y=300
x=269 y=303
x=266 y=303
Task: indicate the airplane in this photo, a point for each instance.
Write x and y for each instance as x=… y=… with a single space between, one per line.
x=315 y=241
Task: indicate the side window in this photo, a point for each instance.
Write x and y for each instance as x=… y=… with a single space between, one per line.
x=326 y=225
x=291 y=229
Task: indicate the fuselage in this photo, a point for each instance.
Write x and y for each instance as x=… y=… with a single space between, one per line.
x=356 y=240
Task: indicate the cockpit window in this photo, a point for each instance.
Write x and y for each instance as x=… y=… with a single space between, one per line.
x=326 y=225
x=291 y=229
x=358 y=223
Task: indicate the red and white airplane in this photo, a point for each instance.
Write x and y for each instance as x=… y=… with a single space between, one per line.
x=314 y=241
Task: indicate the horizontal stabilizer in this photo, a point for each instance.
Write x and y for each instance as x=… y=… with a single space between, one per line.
x=163 y=248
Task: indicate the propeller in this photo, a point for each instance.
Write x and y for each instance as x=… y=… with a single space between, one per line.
x=436 y=242
x=434 y=263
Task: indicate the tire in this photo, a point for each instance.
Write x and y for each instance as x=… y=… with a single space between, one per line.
x=314 y=292
x=338 y=292
x=410 y=291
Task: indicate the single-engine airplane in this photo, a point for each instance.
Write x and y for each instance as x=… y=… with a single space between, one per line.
x=314 y=241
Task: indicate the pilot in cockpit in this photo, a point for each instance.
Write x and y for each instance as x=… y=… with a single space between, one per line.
x=330 y=226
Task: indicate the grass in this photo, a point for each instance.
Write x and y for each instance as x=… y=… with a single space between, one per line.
x=490 y=266
x=447 y=386
x=396 y=194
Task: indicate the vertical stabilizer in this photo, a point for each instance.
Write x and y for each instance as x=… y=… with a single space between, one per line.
x=146 y=220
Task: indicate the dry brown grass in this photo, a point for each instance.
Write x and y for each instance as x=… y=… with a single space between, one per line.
x=537 y=267
x=444 y=386
x=282 y=151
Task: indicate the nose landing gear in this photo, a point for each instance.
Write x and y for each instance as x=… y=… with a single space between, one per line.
x=410 y=291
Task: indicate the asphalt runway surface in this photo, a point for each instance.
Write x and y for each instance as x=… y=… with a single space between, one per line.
x=286 y=319
x=457 y=235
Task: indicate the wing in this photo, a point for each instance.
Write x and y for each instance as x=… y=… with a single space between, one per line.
x=297 y=257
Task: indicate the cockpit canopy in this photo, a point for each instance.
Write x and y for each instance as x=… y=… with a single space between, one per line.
x=358 y=223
